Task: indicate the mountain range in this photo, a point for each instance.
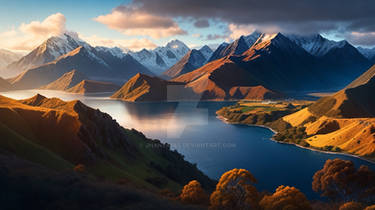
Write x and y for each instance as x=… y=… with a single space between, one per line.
x=7 y=57
x=95 y=63
x=161 y=58
x=191 y=61
x=278 y=63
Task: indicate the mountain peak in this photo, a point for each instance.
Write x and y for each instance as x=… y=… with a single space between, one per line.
x=173 y=44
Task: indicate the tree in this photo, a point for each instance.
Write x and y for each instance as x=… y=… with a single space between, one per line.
x=285 y=197
x=351 y=206
x=193 y=193
x=370 y=207
x=340 y=180
x=235 y=191
x=80 y=168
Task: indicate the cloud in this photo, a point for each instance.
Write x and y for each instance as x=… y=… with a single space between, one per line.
x=318 y=16
x=53 y=25
x=28 y=35
x=239 y=30
x=360 y=38
x=133 y=21
x=131 y=44
x=196 y=35
x=216 y=36
x=202 y=23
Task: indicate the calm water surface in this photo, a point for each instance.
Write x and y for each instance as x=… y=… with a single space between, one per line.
x=193 y=129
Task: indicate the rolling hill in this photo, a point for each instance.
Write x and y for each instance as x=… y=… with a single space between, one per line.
x=66 y=81
x=91 y=86
x=146 y=88
x=344 y=121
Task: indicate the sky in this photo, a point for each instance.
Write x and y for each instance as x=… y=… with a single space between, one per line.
x=137 y=24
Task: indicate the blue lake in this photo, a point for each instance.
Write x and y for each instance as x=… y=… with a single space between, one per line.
x=194 y=130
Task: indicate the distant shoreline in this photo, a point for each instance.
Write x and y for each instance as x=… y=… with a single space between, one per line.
x=225 y=120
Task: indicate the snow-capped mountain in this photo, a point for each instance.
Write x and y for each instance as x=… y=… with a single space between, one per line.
x=316 y=44
x=48 y=51
x=369 y=53
x=115 y=51
x=191 y=61
x=218 y=52
x=100 y=63
x=252 y=38
x=7 y=57
x=235 y=48
x=206 y=51
x=161 y=58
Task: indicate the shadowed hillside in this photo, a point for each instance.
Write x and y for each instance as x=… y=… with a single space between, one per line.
x=60 y=135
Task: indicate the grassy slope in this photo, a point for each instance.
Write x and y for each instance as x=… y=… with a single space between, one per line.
x=22 y=147
x=141 y=166
x=308 y=128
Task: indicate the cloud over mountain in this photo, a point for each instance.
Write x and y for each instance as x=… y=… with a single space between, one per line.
x=29 y=35
x=131 y=20
x=297 y=17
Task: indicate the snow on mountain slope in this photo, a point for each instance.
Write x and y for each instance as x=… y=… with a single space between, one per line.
x=316 y=44
x=252 y=38
x=369 y=53
x=7 y=57
x=206 y=51
x=161 y=58
x=115 y=51
x=191 y=61
x=235 y=48
x=48 y=51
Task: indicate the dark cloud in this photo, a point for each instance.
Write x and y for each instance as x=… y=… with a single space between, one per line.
x=364 y=39
x=343 y=12
x=202 y=23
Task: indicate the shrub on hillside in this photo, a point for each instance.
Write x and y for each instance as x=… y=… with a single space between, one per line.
x=193 y=193
x=285 y=197
x=235 y=190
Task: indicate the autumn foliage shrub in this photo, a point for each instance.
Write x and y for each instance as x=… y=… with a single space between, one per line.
x=80 y=168
x=285 y=197
x=235 y=191
x=370 y=207
x=339 y=180
x=193 y=193
x=351 y=206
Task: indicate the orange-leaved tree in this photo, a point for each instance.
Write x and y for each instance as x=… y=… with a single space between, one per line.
x=340 y=180
x=194 y=193
x=370 y=207
x=285 y=197
x=351 y=206
x=235 y=190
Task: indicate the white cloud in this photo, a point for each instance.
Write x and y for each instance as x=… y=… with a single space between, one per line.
x=131 y=44
x=361 y=38
x=132 y=21
x=196 y=35
x=238 y=30
x=28 y=35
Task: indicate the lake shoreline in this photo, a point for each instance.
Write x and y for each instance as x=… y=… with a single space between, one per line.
x=225 y=120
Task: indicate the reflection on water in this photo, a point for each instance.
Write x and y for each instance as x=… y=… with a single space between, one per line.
x=193 y=129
